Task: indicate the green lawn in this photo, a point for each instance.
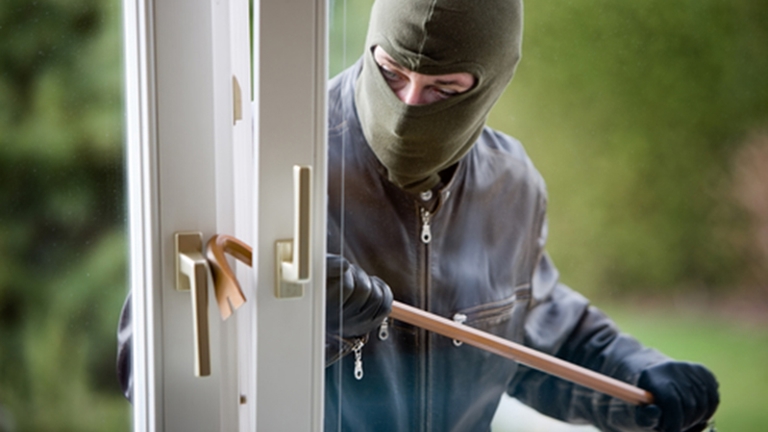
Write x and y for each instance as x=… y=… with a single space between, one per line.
x=735 y=351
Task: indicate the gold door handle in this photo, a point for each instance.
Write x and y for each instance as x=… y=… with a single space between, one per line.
x=293 y=260
x=192 y=276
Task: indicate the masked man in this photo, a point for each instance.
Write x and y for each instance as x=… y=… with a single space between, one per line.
x=431 y=207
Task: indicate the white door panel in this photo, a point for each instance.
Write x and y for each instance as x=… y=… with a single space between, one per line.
x=290 y=41
x=194 y=167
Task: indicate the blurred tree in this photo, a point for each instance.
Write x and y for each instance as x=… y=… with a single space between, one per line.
x=633 y=112
x=62 y=272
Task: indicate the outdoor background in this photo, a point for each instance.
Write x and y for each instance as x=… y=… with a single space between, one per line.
x=649 y=121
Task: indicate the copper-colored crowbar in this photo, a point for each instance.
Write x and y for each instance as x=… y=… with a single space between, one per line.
x=228 y=290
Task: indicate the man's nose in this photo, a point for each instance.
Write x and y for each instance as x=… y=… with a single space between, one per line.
x=413 y=94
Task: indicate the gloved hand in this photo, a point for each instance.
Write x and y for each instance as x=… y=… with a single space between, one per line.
x=685 y=397
x=364 y=300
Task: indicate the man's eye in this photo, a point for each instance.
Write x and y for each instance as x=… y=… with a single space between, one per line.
x=446 y=92
x=388 y=74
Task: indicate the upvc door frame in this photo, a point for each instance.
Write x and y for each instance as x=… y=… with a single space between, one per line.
x=194 y=166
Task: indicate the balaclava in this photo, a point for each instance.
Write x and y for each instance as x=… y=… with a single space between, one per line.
x=435 y=37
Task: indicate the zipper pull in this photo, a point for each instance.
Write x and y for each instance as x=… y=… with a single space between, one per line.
x=384 y=329
x=426 y=232
x=459 y=318
x=358 y=350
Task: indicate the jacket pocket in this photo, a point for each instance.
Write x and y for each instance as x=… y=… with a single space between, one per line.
x=494 y=313
x=504 y=318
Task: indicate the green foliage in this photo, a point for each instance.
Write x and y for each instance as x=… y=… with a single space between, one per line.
x=63 y=272
x=633 y=112
x=348 y=23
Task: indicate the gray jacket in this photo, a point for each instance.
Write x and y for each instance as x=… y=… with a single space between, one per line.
x=473 y=252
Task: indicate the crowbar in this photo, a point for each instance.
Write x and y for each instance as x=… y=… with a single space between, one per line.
x=228 y=289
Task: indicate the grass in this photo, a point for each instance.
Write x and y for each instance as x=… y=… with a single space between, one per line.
x=734 y=348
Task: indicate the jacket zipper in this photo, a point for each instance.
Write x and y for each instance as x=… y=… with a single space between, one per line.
x=384 y=329
x=426 y=238
x=426 y=231
x=459 y=318
x=358 y=351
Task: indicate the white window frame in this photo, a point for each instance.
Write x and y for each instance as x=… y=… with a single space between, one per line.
x=191 y=166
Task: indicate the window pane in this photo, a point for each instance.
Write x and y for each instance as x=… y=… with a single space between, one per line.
x=651 y=132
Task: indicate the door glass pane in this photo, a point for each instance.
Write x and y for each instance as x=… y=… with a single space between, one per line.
x=650 y=133
x=62 y=213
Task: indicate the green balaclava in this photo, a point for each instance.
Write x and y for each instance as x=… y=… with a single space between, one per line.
x=435 y=37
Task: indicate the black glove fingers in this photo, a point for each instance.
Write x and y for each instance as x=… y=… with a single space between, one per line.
x=376 y=306
x=685 y=392
x=335 y=266
x=335 y=269
x=674 y=409
x=694 y=402
x=357 y=290
x=707 y=385
x=648 y=416
x=349 y=284
x=355 y=302
x=385 y=298
x=387 y=295
x=702 y=392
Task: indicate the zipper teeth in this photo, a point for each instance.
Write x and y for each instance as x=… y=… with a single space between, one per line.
x=428 y=357
x=423 y=217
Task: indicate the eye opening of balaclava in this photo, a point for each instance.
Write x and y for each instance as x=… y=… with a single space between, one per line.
x=435 y=37
x=389 y=97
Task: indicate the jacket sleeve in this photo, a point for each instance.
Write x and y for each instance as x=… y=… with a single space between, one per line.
x=562 y=323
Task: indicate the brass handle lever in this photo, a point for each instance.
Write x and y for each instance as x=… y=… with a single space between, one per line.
x=293 y=259
x=192 y=276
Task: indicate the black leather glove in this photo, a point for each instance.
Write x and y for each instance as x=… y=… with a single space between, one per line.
x=685 y=394
x=364 y=301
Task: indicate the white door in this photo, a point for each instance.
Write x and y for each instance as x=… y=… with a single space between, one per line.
x=203 y=158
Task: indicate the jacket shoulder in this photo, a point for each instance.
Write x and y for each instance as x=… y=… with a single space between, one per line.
x=499 y=152
x=341 y=89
